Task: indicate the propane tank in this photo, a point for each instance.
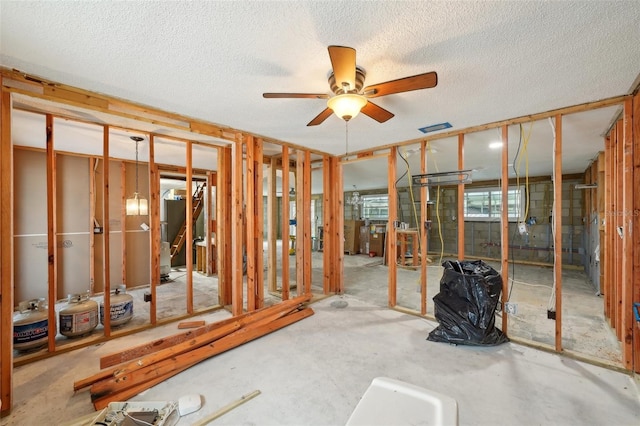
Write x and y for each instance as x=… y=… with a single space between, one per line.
x=79 y=317
x=121 y=307
x=30 y=325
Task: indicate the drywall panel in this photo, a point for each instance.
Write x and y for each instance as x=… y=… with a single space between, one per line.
x=73 y=264
x=72 y=194
x=138 y=259
x=30 y=267
x=30 y=192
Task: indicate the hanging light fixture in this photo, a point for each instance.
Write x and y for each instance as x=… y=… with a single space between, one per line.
x=355 y=199
x=137 y=205
x=347 y=105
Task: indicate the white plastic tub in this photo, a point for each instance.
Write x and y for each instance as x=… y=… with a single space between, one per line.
x=392 y=402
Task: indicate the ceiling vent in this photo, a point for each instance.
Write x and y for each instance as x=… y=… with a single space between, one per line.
x=435 y=127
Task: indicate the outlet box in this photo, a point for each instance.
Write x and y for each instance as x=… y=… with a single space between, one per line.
x=511 y=308
x=551 y=314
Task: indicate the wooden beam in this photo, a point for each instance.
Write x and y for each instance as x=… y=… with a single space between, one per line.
x=628 y=322
x=460 y=213
x=504 y=228
x=327 y=219
x=557 y=227
x=93 y=162
x=259 y=223
x=392 y=247
x=237 y=218
x=609 y=231
x=300 y=219
x=210 y=227
x=272 y=226
x=189 y=229
x=285 y=223
x=250 y=207
x=106 y=237
x=6 y=254
x=588 y=106
x=52 y=251
x=636 y=225
x=306 y=224
x=619 y=309
x=224 y=225
x=123 y=219
x=336 y=238
x=423 y=231
x=154 y=234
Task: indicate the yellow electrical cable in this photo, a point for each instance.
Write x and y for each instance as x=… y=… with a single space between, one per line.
x=435 y=164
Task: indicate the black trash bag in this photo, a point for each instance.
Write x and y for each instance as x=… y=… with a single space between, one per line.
x=465 y=306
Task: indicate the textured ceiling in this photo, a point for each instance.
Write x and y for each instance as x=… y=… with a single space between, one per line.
x=213 y=60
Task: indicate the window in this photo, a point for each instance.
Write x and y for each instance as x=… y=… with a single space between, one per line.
x=486 y=204
x=375 y=207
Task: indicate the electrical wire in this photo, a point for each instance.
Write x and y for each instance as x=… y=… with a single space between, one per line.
x=554 y=210
x=435 y=164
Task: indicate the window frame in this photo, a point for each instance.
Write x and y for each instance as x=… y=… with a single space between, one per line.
x=495 y=214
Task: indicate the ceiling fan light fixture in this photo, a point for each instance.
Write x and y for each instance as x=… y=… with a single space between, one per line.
x=347 y=105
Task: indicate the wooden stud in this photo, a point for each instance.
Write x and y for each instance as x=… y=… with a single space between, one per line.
x=608 y=242
x=210 y=227
x=92 y=215
x=423 y=231
x=106 y=229
x=285 y=223
x=300 y=219
x=327 y=219
x=627 y=323
x=224 y=225
x=306 y=224
x=237 y=216
x=392 y=247
x=189 y=228
x=250 y=207
x=557 y=226
x=154 y=234
x=461 y=199
x=619 y=227
x=123 y=219
x=52 y=250
x=636 y=226
x=504 y=228
x=272 y=226
x=337 y=233
x=6 y=254
x=258 y=219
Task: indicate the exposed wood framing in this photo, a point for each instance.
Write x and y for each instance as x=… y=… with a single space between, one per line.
x=106 y=240
x=627 y=320
x=224 y=225
x=303 y=222
x=255 y=284
x=336 y=236
x=392 y=247
x=460 y=199
x=237 y=221
x=52 y=249
x=608 y=242
x=92 y=215
x=619 y=227
x=272 y=225
x=6 y=254
x=328 y=201
x=557 y=227
x=285 y=223
x=123 y=218
x=259 y=223
x=211 y=228
x=189 y=228
x=636 y=226
x=423 y=231
x=154 y=232
x=504 y=228
x=588 y=106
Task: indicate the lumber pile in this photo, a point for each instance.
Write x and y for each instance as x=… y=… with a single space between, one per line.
x=129 y=372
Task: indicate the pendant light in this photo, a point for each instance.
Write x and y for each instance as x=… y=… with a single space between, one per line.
x=137 y=205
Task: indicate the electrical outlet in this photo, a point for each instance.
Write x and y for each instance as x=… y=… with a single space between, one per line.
x=511 y=308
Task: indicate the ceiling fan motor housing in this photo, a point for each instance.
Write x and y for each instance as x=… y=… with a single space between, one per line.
x=337 y=87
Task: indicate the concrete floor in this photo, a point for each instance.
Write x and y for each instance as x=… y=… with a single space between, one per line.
x=369 y=340
x=314 y=372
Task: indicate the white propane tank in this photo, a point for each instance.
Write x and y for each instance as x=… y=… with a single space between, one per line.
x=121 y=307
x=79 y=317
x=30 y=325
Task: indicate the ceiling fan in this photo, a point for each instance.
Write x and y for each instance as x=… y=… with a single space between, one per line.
x=349 y=98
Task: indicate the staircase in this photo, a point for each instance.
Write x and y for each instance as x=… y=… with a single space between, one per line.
x=197 y=204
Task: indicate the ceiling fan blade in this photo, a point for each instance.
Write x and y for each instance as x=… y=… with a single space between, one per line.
x=407 y=84
x=376 y=112
x=296 y=95
x=343 y=62
x=321 y=117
